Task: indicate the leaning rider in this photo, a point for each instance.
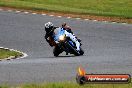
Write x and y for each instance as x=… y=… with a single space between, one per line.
x=49 y=28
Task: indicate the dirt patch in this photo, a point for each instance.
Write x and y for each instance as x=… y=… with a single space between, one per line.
x=75 y=15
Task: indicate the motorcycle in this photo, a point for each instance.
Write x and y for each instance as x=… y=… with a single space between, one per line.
x=64 y=43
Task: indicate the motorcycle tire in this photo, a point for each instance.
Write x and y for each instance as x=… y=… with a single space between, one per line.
x=57 y=51
x=81 y=51
x=75 y=52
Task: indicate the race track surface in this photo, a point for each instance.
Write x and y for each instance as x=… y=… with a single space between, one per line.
x=107 y=46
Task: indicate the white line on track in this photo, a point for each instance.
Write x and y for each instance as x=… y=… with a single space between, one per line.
x=86 y=19
x=51 y=15
x=94 y=20
x=114 y=22
x=68 y=17
x=43 y=14
x=124 y=23
x=34 y=13
x=18 y=11
x=9 y=10
x=105 y=21
x=59 y=16
x=26 y=12
x=78 y=18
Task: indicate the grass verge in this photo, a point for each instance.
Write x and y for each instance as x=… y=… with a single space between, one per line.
x=71 y=85
x=84 y=8
x=5 y=53
x=98 y=7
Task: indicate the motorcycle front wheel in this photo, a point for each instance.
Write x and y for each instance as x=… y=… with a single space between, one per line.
x=72 y=49
x=57 y=51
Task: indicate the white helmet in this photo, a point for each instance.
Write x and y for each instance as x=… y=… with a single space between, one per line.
x=49 y=25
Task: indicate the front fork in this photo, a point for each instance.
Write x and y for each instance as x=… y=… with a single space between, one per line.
x=63 y=46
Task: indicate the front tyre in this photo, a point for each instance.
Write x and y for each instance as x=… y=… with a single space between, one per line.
x=72 y=49
x=57 y=51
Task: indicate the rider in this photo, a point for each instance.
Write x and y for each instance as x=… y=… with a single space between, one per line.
x=49 y=28
x=66 y=27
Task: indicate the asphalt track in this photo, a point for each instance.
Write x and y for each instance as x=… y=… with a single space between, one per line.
x=107 y=46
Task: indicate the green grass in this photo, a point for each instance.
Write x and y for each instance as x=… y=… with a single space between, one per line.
x=71 y=85
x=4 y=53
x=119 y=8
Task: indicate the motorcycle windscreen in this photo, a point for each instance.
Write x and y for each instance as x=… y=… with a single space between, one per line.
x=58 y=32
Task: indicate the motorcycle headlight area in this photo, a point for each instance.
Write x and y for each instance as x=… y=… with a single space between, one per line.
x=62 y=37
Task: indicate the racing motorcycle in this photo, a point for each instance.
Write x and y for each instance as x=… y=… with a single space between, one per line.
x=64 y=43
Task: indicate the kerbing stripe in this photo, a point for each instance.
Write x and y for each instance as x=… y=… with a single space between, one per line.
x=94 y=20
x=68 y=17
x=18 y=11
x=43 y=14
x=34 y=13
x=58 y=16
x=26 y=12
x=13 y=57
x=9 y=10
x=86 y=19
x=78 y=18
x=51 y=15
